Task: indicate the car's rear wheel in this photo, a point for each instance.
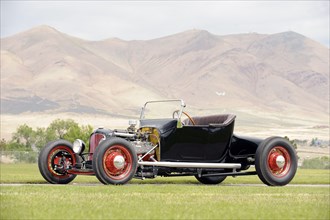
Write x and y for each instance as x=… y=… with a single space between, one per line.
x=54 y=160
x=210 y=179
x=276 y=161
x=115 y=161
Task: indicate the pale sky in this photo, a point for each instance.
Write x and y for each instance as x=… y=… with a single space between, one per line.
x=143 y=20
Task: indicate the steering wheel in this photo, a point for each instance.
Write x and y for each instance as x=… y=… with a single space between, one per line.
x=176 y=112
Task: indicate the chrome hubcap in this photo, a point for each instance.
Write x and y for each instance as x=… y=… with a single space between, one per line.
x=280 y=161
x=119 y=162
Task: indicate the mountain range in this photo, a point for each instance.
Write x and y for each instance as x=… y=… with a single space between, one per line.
x=44 y=70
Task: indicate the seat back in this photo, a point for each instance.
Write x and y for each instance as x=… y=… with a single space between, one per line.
x=214 y=120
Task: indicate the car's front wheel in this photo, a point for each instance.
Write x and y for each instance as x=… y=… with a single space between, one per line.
x=115 y=161
x=276 y=161
x=54 y=160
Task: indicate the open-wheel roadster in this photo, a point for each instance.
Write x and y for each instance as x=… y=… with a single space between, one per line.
x=204 y=147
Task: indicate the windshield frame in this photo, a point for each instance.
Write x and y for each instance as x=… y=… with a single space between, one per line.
x=182 y=106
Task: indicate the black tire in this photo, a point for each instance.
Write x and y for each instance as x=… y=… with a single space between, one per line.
x=212 y=180
x=115 y=161
x=94 y=155
x=51 y=156
x=276 y=161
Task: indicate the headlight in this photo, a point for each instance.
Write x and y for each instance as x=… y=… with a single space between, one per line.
x=78 y=146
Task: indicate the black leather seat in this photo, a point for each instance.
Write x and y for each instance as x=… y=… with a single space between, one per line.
x=215 y=120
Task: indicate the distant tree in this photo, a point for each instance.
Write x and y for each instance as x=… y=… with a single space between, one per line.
x=27 y=139
x=58 y=128
x=81 y=132
x=293 y=142
x=41 y=138
x=315 y=142
x=3 y=145
x=68 y=130
x=23 y=138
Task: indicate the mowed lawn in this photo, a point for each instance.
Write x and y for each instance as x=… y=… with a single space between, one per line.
x=162 y=198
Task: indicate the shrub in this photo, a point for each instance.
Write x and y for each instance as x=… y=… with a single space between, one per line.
x=316 y=163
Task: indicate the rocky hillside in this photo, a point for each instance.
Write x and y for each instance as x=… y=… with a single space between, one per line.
x=44 y=70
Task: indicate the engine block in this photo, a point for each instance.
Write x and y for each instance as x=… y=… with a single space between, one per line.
x=142 y=147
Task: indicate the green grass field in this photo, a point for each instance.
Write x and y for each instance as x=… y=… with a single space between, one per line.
x=162 y=198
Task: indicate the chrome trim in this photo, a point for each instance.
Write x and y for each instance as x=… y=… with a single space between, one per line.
x=124 y=134
x=191 y=165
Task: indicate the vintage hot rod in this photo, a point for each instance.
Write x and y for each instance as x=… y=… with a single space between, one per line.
x=203 y=146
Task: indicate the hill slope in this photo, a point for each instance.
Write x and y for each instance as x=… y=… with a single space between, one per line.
x=45 y=70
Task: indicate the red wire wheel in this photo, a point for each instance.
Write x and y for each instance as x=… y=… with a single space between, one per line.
x=115 y=161
x=279 y=161
x=59 y=158
x=276 y=161
x=54 y=160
